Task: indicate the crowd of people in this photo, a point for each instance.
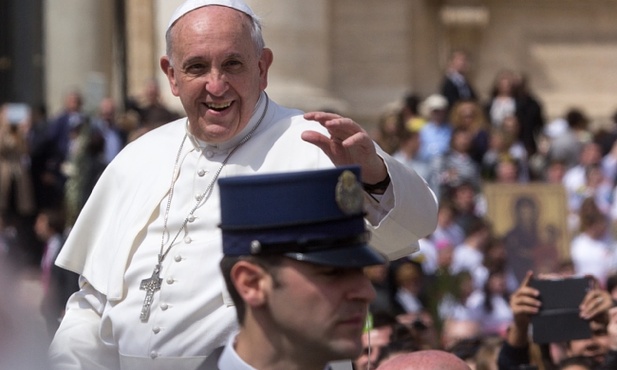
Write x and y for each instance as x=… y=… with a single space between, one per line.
x=52 y=162
x=456 y=293
x=461 y=293
x=48 y=168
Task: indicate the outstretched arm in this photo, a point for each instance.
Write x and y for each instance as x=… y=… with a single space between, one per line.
x=407 y=209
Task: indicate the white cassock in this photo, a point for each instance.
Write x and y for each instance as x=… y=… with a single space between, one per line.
x=115 y=242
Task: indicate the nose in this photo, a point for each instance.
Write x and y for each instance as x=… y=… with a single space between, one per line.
x=361 y=288
x=216 y=83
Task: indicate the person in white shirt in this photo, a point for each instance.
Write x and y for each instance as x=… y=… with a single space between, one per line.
x=147 y=245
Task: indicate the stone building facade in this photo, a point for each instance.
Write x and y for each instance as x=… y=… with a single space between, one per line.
x=355 y=56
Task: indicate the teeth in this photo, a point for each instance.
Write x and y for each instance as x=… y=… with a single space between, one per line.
x=218 y=106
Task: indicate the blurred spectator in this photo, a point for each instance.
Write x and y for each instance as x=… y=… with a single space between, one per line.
x=374 y=340
x=150 y=109
x=447 y=229
x=469 y=255
x=507 y=171
x=486 y=357
x=496 y=259
x=455 y=86
x=58 y=284
x=389 y=127
x=468 y=114
x=574 y=178
x=512 y=127
x=385 y=288
x=467 y=205
x=606 y=135
x=407 y=153
x=455 y=166
x=426 y=256
x=455 y=331
x=17 y=201
x=503 y=149
x=591 y=253
x=82 y=167
x=60 y=128
x=409 y=284
x=539 y=161
x=490 y=307
x=502 y=102
x=105 y=123
x=567 y=144
x=436 y=133
x=411 y=118
x=16 y=194
x=529 y=112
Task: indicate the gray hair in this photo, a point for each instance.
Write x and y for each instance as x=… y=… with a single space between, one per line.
x=256 y=36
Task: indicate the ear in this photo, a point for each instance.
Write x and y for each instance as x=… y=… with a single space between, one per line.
x=264 y=65
x=170 y=72
x=248 y=279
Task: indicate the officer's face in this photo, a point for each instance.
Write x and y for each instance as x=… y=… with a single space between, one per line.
x=321 y=310
x=216 y=70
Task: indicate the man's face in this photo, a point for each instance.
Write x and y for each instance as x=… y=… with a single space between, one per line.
x=595 y=347
x=319 y=310
x=216 y=70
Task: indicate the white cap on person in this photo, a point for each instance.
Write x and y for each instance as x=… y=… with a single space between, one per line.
x=190 y=5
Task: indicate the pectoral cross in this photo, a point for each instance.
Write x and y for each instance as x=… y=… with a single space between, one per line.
x=150 y=285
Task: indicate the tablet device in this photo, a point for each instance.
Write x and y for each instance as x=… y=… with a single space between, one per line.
x=558 y=319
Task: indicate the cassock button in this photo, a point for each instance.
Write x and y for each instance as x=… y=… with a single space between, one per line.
x=177 y=258
x=156 y=329
x=188 y=240
x=201 y=173
x=164 y=306
x=198 y=197
x=209 y=153
x=170 y=280
x=154 y=355
x=191 y=218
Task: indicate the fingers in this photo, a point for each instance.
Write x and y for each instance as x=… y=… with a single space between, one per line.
x=527 y=278
x=525 y=300
x=339 y=127
x=596 y=301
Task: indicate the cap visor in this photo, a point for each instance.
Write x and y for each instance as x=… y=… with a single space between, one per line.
x=358 y=255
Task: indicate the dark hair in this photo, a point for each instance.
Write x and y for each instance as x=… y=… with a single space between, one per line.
x=576 y=360
x=268 y=263
x=576 y=118
x=55 y=219
x=611 y=282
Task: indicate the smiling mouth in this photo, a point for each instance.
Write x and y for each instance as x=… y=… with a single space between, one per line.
x=218 y=107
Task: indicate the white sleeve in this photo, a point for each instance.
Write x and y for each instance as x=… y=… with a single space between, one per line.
x=77 y=344
x=406 y=212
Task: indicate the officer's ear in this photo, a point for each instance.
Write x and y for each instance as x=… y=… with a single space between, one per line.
x=250 y=280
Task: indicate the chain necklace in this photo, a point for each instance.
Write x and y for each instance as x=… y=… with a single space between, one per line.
x=153 y=283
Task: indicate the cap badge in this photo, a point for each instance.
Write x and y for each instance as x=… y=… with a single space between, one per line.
x=349 y=196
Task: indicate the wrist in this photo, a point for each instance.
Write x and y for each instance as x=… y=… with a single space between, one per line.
x=378 y=188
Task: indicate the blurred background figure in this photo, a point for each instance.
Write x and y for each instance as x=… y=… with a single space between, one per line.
x=455 y=85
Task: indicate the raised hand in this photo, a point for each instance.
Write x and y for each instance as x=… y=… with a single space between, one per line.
x=348 y=144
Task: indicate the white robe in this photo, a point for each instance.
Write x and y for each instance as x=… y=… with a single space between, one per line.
x=116 y=238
